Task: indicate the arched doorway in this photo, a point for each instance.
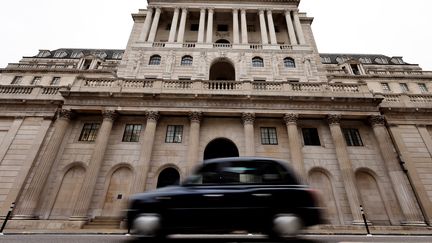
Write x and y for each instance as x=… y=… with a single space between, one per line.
x=168 y=177
x=222 y=70
x=118 y=192
x=221 y=148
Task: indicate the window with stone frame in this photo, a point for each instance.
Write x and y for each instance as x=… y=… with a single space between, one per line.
x=187 y=61
x=269 y=136
x=385 y=87
x=132 y=133
x=257 y=62
x=155 y=60
x=352 y=137
x=311 y=137
x=404 y=87
x=423 y=88
x=289 y=62
x=89 y=132
x=36 y=80
x=55 y=81
x=174 y=134
x=17 y=80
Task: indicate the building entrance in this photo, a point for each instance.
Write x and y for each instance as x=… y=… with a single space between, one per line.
x=220 y=148
x=222 y=70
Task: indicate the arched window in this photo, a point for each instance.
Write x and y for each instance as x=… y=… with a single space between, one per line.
x=257 y=62
x=187 y=61
x=155 y=60
x=289 y=62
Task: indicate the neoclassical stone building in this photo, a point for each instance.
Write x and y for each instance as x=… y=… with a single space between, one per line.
x=82 y=129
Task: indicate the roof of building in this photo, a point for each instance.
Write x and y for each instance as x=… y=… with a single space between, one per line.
x=70 y=53
x=377 y=59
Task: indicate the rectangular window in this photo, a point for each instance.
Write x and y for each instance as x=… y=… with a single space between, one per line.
x=269 y=136
x=194 y=27
x=311 y=137
x=385 y=87
x=132 y=133
x=89 y=132
x=17 y=80
x=352 y=137
x=404 y=87
x=55 y=81
x=222 y=27
x=174 y=134
x=355 y=69
x=36 y=80
x=423 y=88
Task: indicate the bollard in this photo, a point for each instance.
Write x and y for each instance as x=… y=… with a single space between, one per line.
x=365 y=222
x=7 y=218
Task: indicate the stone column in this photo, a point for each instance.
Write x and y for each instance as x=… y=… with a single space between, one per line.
x=397 y=177
x=146 y=26
x=264 y=38
x=345 y=165
x=236 y=29
x=244 y=31
x=28 y=203
x=95 y=164
x=154 y=26
x=295 y=145
x=201 y=26
x=290 y=26
x=271 y=27
x=298 y=28
x=412 y=173
x=210 y=26
x=173 y=29
x=180 y=37
x=248 y=123
x=193 y=147
x=146 y=152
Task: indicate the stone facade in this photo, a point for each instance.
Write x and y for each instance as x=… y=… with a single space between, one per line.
x=82 y=129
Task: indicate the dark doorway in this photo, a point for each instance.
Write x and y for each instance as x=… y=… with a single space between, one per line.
x=222 y=70
x=168 y=177
x=222 y=41
x=220 y=148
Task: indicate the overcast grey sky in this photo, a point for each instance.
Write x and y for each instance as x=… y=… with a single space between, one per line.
x=390 y=27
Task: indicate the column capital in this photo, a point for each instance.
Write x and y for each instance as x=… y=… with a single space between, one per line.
x=269 y=10
x=109 y=115
x=152 y=116
x=150 y=8
x=287 y=11
x=158 y=9
x=66 y=114
x=248 y=118
x=261 y=11
x=210 y=10
x=378 y=120
x=235 y=10
x=243 y=11
x=185 y=10
x=203 y=10
x=334 y=119
x=195 y=116
x=291 y=118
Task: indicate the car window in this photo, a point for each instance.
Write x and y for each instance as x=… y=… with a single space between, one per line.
x=244 y=172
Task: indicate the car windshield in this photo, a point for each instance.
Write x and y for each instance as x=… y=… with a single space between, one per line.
x=242 y=172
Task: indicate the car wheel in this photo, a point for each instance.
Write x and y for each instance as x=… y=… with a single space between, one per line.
x=147 y=226
x=286 y=226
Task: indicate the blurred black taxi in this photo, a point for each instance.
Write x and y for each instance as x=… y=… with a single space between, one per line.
x=225 y=195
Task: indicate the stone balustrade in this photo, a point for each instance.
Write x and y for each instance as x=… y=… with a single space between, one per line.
x=407 y=100
x=30 y=92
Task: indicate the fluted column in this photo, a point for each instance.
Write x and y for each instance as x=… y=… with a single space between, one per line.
x=345 y=165
x=180 y=37
x=295 y=145
x=236 y=29
x=201 y=26
x=298 y=28
x=244 y=31
x=95 y=163
x=28 y=203
x=144 y=162
x=264 y=38
x=397 y=177
x=194 y=133
x=154 y=25
x=146 y=26
x=290 y=26
x=248 y=124
x=210 y=26
x=174 y=22
x=271 y=27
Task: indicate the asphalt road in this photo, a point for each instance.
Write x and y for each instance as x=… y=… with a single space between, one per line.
x=204 y=239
